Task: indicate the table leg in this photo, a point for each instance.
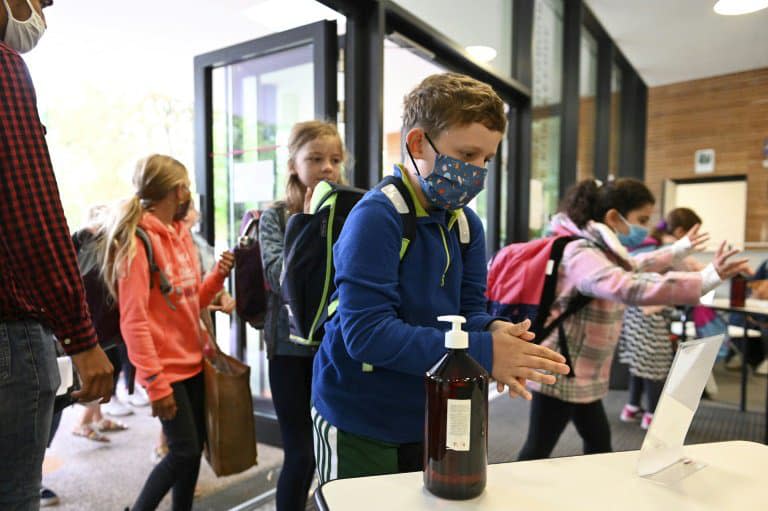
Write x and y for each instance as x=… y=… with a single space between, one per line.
x=743 y=400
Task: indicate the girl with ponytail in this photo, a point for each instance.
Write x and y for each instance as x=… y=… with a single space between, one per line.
x=606 y=218
x=162 y=331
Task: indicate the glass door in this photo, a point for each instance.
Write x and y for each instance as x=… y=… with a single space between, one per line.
x=247 y=98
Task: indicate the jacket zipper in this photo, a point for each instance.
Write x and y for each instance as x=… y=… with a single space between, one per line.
x=447 y=256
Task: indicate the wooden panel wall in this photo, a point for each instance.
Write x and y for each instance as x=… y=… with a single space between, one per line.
x=726 y=113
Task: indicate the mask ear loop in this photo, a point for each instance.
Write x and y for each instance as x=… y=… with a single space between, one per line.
x=408 y=150
x=430 y=143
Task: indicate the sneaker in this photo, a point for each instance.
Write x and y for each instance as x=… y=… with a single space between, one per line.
x=762 y=369
x=646 y=422
x=630 y=413
x=115 y=408
x=139 y=397
x=48 y=498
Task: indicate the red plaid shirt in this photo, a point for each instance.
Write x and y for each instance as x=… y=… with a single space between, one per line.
x=39 y=277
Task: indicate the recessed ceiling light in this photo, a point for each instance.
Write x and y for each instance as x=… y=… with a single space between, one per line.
x=482 y=53
x=736 y=7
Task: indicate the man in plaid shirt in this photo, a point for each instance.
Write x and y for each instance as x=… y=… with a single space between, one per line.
x=41 y=293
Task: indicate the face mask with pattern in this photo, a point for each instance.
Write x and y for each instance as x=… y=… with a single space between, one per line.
x=453 y=183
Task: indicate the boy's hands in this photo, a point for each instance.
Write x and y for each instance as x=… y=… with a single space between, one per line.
x=515 y=359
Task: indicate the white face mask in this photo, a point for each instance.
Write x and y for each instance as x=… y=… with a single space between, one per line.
x=22 y=36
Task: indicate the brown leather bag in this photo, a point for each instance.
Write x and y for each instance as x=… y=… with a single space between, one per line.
x=231 y=436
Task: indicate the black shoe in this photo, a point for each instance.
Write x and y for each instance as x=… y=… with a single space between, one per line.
x=48 y=498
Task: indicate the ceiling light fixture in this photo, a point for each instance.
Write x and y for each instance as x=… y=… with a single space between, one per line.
x=481 y=53
x=736 y=7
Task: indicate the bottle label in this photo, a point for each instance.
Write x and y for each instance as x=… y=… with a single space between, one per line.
x=458 y=417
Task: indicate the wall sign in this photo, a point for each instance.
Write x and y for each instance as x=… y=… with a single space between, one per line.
x=704 y=161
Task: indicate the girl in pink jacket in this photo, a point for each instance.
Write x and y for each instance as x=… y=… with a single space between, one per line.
x=608 y=217
x=161 y=328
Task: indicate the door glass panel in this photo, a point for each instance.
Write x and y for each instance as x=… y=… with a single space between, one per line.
x=255 y=104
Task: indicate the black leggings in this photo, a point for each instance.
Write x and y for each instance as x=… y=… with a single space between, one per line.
x=652 y=390
x=186 y=435
x=290 y=378
x=550 y=416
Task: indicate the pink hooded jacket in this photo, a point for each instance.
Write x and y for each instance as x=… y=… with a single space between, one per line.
x=600 y=267
x=165 y=344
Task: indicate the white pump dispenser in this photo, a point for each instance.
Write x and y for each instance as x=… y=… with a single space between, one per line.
x=455 y=338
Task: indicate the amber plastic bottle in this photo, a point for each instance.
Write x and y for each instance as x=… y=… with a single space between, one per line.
x=738 y=290
x=456 y=423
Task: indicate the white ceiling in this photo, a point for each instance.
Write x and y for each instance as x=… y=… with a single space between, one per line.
x=671 y=41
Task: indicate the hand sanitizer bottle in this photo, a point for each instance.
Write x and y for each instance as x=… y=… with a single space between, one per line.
x=456 y=424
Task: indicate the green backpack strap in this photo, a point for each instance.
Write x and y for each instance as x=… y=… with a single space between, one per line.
x=162 y=279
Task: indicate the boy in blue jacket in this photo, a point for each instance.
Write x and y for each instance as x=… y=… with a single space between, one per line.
x=368 y=382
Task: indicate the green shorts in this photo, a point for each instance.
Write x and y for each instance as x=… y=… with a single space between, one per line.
x=340 y=455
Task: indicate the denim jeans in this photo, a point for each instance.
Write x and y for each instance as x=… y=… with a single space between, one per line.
x=29 y=377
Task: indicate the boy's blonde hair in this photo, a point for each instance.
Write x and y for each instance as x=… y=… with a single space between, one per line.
x=445 y=100
x=155 y=176
x=302 y=133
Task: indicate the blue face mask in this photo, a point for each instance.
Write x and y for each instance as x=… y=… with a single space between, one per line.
x=452 y=183
x=636 y=236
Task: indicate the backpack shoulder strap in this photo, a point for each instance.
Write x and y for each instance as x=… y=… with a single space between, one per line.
x=163 y=282
x=395 y=190
x=548 y=295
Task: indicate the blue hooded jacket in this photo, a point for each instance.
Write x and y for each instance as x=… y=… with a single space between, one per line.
x=387 y=316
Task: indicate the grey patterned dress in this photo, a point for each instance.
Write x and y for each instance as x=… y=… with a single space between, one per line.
x=644 y=343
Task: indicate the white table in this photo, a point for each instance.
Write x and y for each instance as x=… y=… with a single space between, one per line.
x=736 y=478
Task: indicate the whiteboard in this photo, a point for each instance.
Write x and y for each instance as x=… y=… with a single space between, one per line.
x=722 y=206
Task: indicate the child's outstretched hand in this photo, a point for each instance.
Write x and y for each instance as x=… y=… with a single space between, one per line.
x=697 y=240
x=516 y=359
x=727 y=269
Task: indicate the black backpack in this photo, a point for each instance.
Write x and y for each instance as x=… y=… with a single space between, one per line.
x=105 y=312
x=308 y=270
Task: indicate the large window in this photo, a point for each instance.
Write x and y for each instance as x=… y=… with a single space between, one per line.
x=483 y=27
x=587 y=108
x=547 y=96
x=616 y=86
x=110 y=93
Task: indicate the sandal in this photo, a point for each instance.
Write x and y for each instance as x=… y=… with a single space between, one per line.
x=108 y=425
x=87 y=431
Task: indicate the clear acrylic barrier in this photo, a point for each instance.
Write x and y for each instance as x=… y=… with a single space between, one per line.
x=661 y=455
